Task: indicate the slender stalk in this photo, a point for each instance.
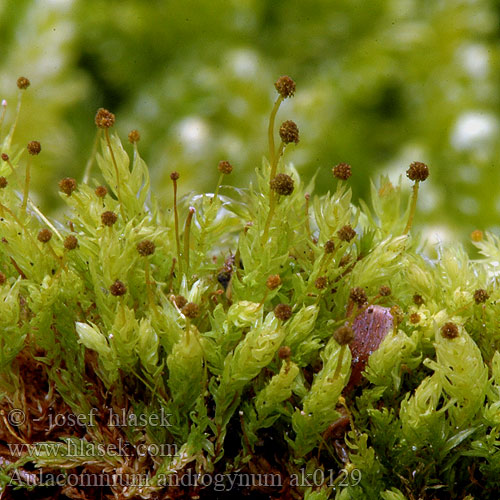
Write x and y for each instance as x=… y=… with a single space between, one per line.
x=56 y=257
x=272 y=195
x=176 y=220
x=106 y=133
x=148 y=285
x=413 y=208
x=270 y=130
x=187 y=232
x=264 y=298
x=341 y=359
x=4 y=109
x=325 y=260
x=90 y=161
x=26 y=186
x=17 y=268
x=274 y=164
x=219 y=182
x=308 y=226
x=171 y=278
x=272 y=206
x=346 y=408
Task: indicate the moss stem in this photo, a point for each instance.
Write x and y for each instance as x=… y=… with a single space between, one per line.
x=27 y=179
x=340 y=361
x=187 y=232
x=308 y=226
x=90 y=161
x=272 y=194
x=216 y=193
x=149 y=286
x=176 y=222
x=270 y=130
x=4 y=109
x=413 y=208
x=113 y=159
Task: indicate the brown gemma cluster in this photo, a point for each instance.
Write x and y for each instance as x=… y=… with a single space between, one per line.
x=67 y=185
x=225 y=167
x=34 y=148
x=3 y=278
x=118 y=288
x=481 y=296
x=284 y=352
x=104 y=118
x=273 y=282
x=70 y=242
x=321 y=282
x=191 y=310
x=180 y=301
x=358 y=295
x=449 y=330
x=101 y=191
x=418 y=171
x=23 y=83
x=174 y=176
x=3 y=182
x=414 y=318
x=476 y=235
x=283 y=312
x=344 y=260
x=289 y=132
x=108 y=218
x=44 y=235
x=282 y=184
x=346 y=233
x=344 y=335
x=329 y=246
x=134 y=136
x=385 y=291
x=342 y=171
x=285 y=86
x=418 y=299
x=146 y=247
x=5 y=157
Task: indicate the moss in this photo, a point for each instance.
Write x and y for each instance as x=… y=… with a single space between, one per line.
x=239 y=351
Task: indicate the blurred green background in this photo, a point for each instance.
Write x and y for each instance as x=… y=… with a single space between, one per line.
x=379 y=84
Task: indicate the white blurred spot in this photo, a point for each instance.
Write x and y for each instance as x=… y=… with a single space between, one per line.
x=4 y=103
x=238 y=107
x=437 y=234
x=244 y=63
x=193 y=133
x=59 y=4
x=472 y=129
x=468 y=205
x=468 y=173
x=475 y=59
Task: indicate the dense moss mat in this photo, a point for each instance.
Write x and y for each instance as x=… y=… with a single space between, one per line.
x=261 y=341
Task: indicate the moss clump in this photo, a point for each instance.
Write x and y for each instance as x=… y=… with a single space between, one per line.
x=239 y=336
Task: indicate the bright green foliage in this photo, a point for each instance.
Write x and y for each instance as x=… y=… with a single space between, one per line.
x=245 y=386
